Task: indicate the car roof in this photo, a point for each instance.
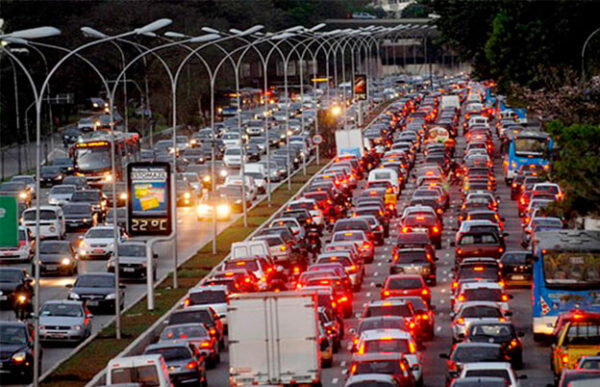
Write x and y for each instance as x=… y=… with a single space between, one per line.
x=376 y=334
x=377 y=356
x=469 y=304
x=486 y=365
x=203 y=288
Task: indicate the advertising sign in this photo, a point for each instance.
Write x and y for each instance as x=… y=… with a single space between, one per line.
x=149 y=210
x=9 y=222
x=359 y=87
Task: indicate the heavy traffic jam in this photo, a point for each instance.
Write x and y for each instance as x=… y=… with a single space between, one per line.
x=422 y=253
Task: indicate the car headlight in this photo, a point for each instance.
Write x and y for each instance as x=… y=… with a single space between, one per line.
x=107 y=177
x=203 y=209
x=110 y=296
x=59 y=177
x=77 y=327
x=223 y=210
x=223 y=173
x=123 y=196
x=238 y=201
x=19 y=357
x=206 y=178
x=425 y=270
x=186 y=195
x=65 y=261
x=73 y=296
x=52 y=228
x=23 y=195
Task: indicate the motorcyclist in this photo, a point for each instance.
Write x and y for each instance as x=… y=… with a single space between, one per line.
x=279 y=278
x=23 y=294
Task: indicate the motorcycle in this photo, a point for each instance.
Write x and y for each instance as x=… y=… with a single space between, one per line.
x=22 y=306
x=313 y=242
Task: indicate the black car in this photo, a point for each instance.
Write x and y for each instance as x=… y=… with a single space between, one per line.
x=93 y=197
x=79 y=215
x=185 y=365
x=194 y=155
x=466 y=352
x=51 y=175
x=502 y=333
x=418 y=260
x=10 y=278
x=121 y=217
x=517 y=267
x=16 y=351
x=121 y=192
x=57 y=257
x=201 y=315
x=65 y=164
x=97 y=291
x=78 y=181
x=253 y=152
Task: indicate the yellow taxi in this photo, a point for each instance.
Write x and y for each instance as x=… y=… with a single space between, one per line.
x=580 y=336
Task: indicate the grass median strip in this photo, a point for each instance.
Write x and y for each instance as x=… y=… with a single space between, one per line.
x=83 y=366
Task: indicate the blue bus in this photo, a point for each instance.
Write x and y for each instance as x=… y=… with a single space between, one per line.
x=566 y=276
x=526 y=148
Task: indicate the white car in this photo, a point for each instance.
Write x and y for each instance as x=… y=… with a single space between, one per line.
x=475 y=311
x=23 y=251
x=292 y=223
x=418 y=209
x=499 y=369
x=233 y=157
x=61 y=194
x=251 y=188
x=214 y=296
x=52 y=222
x=482 y=291
x=98 y=242
x=27 y=179
x=311 y=206
x=392 y=340
x=232 y=140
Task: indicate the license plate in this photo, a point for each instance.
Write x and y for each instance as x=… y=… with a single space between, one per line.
x=98 y=251
x=518 y=277
x=93 y=303
x=51 y=267
x=57 y=334
x=419 y=229
x=3 y=298
x=128 y=269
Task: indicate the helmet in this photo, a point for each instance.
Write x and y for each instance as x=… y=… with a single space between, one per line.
x=279 y=269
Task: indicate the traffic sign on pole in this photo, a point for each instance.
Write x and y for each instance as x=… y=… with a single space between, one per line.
x=317 y=139
x=9 y=222
x=149 y=210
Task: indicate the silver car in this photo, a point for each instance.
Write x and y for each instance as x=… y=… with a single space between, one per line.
x=64 y=321
x=61 y=194
x=133 y=261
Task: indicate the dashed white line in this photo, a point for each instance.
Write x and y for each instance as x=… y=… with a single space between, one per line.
x=438 y=329
x=368 y=294
x=334 y=380
x=443 y=291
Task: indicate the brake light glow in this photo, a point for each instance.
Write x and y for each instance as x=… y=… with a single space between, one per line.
x=191 y=365
x=411 y=347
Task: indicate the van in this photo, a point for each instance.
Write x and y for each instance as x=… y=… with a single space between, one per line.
x=387 y=174
x=249 y=249
x=251 y=189
x=146 y=370
x=52 y=222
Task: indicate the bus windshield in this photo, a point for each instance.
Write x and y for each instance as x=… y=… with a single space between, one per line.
x=93 y=159
x=566 y=268
x=530 y=146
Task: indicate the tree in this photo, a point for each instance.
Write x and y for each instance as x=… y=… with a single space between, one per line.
x=576 y=167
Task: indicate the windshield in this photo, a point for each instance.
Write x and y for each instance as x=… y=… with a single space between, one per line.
x=77 y=209
x=50 y=170
x=387 y=323
x=481 y=311
x=572 y=268
x=183 y=331
x=44 y=215
x=233 y=151
x=386 y=344
x=583 y=333
x=208 y=297
x=499 y=330
x=85 y=196
x=146 y=376
x=13 y=335
x=404 y=283
x=348 y=236
x=55 y=248
x=379 y=367
x=95 y=281
x=530 y=146
x=62 y=190
x=402 y=310
x=483 y=295
x=478 y=239
x=412 y=257
x=66 y=310
x=132 y=250
x=231 y=190
x=469 y=354
x=478 y=271
x=171 y=353
x=93 y=159
x=494 y=373
x=202 y=316
x=100 y=233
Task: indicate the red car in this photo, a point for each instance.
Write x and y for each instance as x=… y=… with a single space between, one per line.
x=400 y=285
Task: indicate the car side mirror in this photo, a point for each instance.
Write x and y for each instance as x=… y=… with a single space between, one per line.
x=508 y=313
x=505 y=234
x=521 y=334
x=510 y=296
x=121 y=286
x=502 y=218
x=154 y=255
x=69 y=286
x=452 y=244
x=378 y=285
x=461 y=336
x=352 y=331
x=89 y=315
x=390 y=260
x=521 y=377
x=444 y=356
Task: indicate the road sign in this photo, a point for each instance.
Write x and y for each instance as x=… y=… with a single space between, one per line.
x=317 y=139
x=149 y=210
x=9 y=222
x=359 y=87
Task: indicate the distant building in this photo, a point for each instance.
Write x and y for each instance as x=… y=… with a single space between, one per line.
x=392 y=7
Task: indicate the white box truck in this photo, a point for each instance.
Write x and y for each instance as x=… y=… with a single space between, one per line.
x=349 y=142
x=273 y=339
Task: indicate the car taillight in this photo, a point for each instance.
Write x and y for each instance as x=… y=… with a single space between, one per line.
x=352 y=269
x=361 y=350
x=187 y=302
x=461 y=298
x=504 y=297
x=283 y=248
x=205 y=344
x=435 y=229
x=212 y=332
x=366 y=245
x=454 y=284
x=386 y=293
x=452 y=366
x=424 y=292
x=460 y=321
x=405 y=229
x=565 y=359
x=513 y=343
x=191 y=365
x=343 y=299
x=411 y=347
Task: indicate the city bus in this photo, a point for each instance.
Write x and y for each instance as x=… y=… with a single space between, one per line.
x=92 y=156
x=526 y=148
x=566 y=276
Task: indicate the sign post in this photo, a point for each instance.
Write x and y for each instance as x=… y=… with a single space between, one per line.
x=149 y=209
x=9 y=222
